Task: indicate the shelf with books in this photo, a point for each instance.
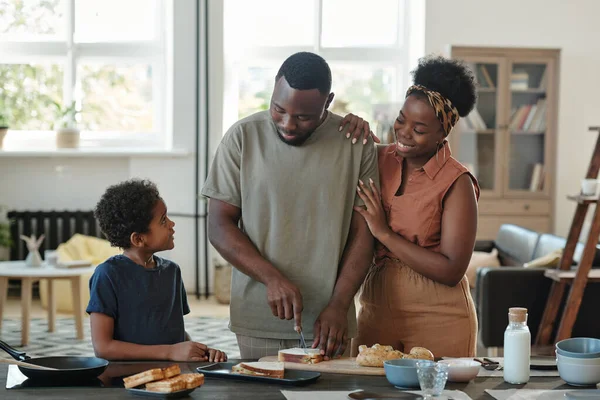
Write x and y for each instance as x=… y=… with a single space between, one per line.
x=529 y=117
x=486 y=74
x=513 y=152
x=528 y=76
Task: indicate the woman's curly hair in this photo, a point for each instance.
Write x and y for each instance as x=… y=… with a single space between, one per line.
x=126 y=208
x=453 y=79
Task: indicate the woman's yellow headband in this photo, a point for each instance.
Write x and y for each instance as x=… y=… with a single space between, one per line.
x=445 y=112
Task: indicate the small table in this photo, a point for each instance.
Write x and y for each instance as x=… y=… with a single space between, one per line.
x=19 y=270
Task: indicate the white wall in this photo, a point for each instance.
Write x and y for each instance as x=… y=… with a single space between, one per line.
x=76 y=183
x=571 y=26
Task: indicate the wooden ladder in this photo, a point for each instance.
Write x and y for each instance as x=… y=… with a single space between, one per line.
x=562 y=276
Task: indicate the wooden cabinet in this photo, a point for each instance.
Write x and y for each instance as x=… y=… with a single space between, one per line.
x=509 y=139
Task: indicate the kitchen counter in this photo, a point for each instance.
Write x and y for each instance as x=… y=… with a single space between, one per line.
x=223 y=389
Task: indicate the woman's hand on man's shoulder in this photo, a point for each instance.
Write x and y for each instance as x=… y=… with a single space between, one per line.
x=357 y=128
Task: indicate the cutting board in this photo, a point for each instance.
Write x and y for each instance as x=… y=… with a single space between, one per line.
x=346 y=365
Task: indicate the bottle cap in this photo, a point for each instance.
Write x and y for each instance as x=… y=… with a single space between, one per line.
x=517 y=314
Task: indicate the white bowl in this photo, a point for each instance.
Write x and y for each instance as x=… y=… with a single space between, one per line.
x=577 y=361
x=578 y=374
x=461 y=369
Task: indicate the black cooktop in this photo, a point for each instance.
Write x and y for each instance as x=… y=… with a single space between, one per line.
x=112 y=377
x=16 y=380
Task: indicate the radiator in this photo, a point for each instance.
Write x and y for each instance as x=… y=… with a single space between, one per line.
x=57 y=226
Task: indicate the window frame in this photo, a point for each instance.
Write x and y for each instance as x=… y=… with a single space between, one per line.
x=66 y=52
x=398 y=56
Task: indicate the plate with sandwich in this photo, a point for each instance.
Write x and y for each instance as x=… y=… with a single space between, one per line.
x=164 y=383
x=261 y=371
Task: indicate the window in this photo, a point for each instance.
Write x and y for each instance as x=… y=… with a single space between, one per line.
x=107 y=56
x=365 y=43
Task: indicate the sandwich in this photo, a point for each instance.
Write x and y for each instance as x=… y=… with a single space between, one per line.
x=144 y=377
x=260 y=368
x=164 y=380
x=171 y=371
x=192 y=380
x=170 y=385
x=298 y=355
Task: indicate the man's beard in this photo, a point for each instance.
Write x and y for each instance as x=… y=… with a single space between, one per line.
x=297 y=141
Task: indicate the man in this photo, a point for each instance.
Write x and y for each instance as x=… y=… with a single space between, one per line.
x=282 y=188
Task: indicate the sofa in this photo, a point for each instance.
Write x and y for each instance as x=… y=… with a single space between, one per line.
x=511 y=285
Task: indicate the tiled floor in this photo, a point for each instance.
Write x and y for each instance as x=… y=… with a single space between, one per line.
x=198 y=308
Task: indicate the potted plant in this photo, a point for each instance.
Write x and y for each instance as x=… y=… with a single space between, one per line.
x=67 y=133
x=5 y=240
x=3 y=125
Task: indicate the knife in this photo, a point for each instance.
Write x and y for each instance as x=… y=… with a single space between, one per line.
x=302 y=341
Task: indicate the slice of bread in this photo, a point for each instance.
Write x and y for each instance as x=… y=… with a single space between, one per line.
x=260 y=368
x=298 y=355
x=171 y=371
x=143 y=377
x=170 y=385
x=193 y=380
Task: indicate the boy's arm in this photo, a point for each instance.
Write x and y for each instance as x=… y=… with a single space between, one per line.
x=106 y=347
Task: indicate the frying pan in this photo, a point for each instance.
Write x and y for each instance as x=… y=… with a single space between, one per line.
x=67 y=368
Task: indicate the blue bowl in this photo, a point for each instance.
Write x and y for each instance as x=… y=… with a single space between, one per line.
x=402 y=373
x=579 y=347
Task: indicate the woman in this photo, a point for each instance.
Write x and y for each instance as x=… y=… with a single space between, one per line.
x=425 y=220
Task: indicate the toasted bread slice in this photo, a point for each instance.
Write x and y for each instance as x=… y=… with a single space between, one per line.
x=171 y=371
x=192 y=380
x=143 y=377
x=260 y=368
x=297 y=355
x=170 y=385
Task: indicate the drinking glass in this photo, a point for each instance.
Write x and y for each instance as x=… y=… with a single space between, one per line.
x=432 y=377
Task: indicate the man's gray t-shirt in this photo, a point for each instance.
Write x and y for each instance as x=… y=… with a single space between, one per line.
x=296 y=204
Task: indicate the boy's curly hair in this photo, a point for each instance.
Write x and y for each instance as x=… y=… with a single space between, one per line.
x=126 y=208
x=453 y=79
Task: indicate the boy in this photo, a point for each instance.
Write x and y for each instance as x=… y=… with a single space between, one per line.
x=137 y=300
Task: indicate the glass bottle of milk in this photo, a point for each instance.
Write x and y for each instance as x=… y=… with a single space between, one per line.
x=517 y=347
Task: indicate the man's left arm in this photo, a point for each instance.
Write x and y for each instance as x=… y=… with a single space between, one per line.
x=331 y=327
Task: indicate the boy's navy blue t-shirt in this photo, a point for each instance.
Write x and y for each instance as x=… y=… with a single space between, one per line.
x=147 y=305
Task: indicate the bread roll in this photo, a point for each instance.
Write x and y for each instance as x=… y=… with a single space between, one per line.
x=376 y=355
x=421 y=353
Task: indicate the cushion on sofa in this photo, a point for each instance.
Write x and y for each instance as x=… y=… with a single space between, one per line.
x=549 y=243
x=550 y=260
x=515 y=244
x=481 y=259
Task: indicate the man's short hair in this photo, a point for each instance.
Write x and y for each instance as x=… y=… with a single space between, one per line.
x=305 y=71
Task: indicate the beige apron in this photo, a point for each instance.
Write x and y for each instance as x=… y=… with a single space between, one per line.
x=404 y=309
